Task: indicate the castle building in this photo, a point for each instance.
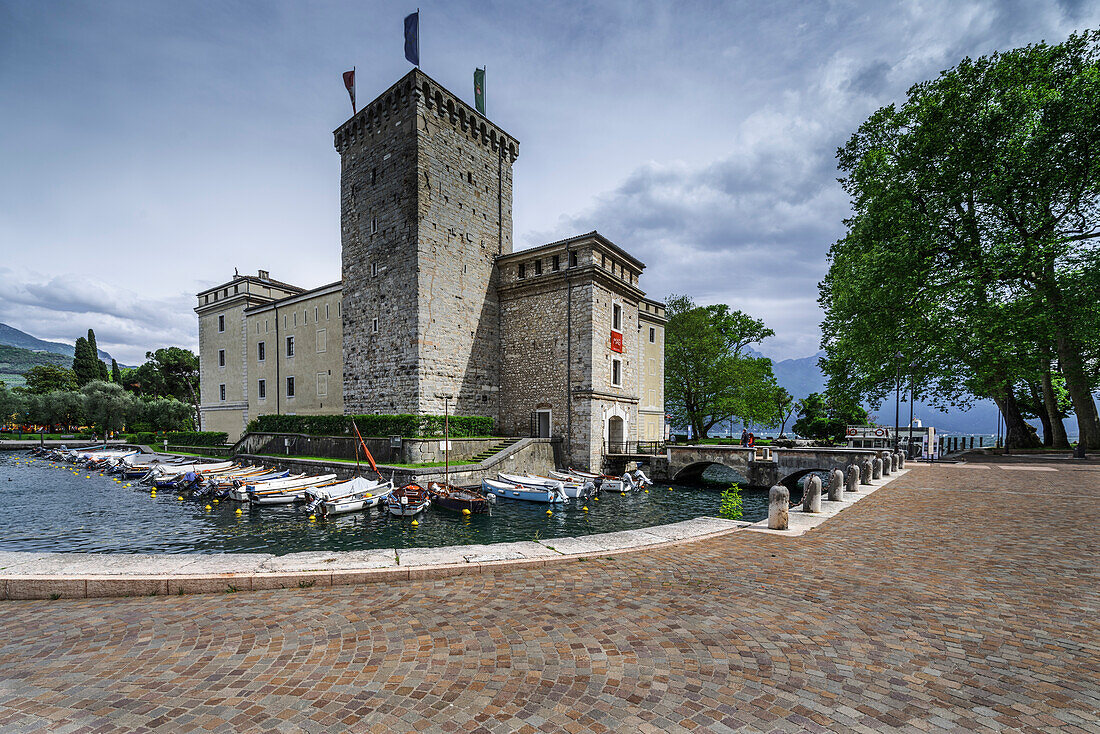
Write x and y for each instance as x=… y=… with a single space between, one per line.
x=434 y=305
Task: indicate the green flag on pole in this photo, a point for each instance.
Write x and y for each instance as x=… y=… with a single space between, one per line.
x=479 y=90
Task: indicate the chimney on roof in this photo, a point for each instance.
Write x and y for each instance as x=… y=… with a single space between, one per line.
x=264 y=275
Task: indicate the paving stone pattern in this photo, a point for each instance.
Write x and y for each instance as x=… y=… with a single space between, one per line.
x=950 y=600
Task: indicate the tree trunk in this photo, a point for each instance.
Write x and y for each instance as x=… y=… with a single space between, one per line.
x=1050 y=402
x=1042 y=414
x=1018 y=434
x=1077 y=384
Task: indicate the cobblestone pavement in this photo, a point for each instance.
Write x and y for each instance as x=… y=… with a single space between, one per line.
x=959 y=598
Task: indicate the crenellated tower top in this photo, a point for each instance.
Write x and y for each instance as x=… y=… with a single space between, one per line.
x=416 y=86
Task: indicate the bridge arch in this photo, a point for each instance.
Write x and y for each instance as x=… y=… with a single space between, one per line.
x=693 y=473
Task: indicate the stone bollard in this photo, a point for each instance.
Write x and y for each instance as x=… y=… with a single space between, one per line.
x=779 y=504
x=876 y=468
x=901 y=460
x=851 y=483
x=894 y=467
x=885 y=458
x=836 y=485
x=865 y=469
x=811 y=494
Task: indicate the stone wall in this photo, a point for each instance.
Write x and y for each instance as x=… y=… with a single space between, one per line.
x=378 y=232
x=411 y=450
x=426 y=199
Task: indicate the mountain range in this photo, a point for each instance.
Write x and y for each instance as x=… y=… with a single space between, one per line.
x=14 y=337
x=802 y=376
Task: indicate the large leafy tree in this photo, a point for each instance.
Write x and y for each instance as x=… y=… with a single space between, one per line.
x=107 y=406
x=708 y=376
x=170 y=372
x=825 y=417
x=971 y=249
x=47 y=378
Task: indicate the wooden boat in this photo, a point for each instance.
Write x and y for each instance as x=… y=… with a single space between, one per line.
x=457 y=499
x=407 y=501
x=517 y=491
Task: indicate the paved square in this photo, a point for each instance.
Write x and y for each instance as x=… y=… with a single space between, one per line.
x=950 y=600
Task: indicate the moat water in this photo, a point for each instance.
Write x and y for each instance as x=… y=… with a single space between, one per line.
x=44 y=506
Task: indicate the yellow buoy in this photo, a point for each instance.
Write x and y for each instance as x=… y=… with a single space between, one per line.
x=209 y=507
x=622 y=493
x=465 y=511
x=312 y=518
x=153 y=493
x=215 y=502
x=596 y=498
x=239 y=511
x=647 y=491
x=549 y=512
x=129 y=485
x=415 y=523
x=585 y=508
x=180 y=497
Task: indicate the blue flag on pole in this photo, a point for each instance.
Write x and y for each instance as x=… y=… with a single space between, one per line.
x=412 y=38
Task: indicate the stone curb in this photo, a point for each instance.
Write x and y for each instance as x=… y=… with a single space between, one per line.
x=60 y=586
x=25 y=587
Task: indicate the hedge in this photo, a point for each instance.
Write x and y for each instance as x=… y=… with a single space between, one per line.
x=180 y=438
x=412 y=426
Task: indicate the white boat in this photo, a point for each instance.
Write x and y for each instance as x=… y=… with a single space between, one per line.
x=518 y=491
x=351 y=496
x=287 y=490
x=573 y=487
x=603 y=482
x=529 y=481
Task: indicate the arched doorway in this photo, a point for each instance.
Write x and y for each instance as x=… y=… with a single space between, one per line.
x=615 y=435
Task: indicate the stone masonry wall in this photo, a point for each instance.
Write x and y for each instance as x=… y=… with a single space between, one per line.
x=378 y=217
x=464 y=190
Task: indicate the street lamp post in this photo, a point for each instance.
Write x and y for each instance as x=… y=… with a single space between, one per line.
x=897 y=400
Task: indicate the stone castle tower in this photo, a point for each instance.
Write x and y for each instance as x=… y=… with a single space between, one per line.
x=425 y=208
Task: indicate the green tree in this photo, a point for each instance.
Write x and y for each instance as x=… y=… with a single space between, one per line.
x=971 y=248
x=47 y=378
x=179 y=370
x=10 y=404
x=708 y=376
x=62 y=408
x=100 y=366
x=84 y=363
x=116 y=373
x=165 y=414
x=825 y=417
x=107 y=406
x=784 y=408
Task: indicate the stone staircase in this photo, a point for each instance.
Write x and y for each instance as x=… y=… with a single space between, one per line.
x=493 y=450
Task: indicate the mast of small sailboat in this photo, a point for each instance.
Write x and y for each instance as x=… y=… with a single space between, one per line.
x=446 y=442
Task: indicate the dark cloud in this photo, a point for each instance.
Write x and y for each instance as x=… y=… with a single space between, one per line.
x=698 y=134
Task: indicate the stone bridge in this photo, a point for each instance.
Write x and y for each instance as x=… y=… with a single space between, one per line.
x=762 y=466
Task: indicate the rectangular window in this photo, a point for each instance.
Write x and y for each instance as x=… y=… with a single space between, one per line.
x=373 y=269
x=652 y=366
x=290 y=387
x=556 y=263
x=538 y=267
x=221 y=392
x=221 y=358
x=322 y=384
x=266 y=326
x=374 y=324
x=374 y=225
x=322 y=340
x=522 y=270
x=290 y=346
x=326 y=312
x=652 y=335
x=616 y=317
x=221 y=322
x=261 y=389
x=652 y=396
x=236 y=289
x=573 y=259
x=617 y=372
x=315 y=319
x=261 y=351
x=295 y=318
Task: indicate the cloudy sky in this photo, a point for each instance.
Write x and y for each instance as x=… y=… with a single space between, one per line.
x=148 y=148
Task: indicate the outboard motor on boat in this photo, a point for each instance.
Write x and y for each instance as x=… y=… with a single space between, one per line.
x=642 y=480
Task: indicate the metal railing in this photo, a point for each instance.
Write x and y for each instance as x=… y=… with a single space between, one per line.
x=647 y=448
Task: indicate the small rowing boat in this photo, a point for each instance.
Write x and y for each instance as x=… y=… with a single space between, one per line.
x=457 y=499
x=407 y=501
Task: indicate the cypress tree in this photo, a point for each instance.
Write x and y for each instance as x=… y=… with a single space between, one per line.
x=116 y=373
x=84 y=362
x=100 y=365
